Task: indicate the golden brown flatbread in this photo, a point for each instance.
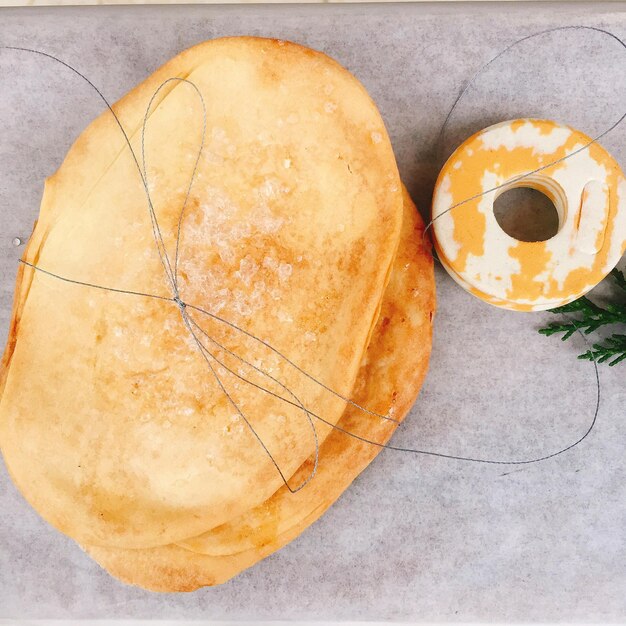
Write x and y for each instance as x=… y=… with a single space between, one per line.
x=389 y=380
x=290 y=231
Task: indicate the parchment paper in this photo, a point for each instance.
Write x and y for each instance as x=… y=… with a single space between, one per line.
x=415 y=538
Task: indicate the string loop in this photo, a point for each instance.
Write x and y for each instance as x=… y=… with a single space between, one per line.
x=196 y=331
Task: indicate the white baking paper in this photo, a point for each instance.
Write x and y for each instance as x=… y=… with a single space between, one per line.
x=415 y=537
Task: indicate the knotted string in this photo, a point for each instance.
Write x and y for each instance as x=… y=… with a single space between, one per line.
x=172 y=272
x=195 y=329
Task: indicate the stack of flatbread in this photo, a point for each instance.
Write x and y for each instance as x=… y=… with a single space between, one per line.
x=182 y=432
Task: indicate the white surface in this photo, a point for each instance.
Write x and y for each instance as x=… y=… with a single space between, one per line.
x=415 y=538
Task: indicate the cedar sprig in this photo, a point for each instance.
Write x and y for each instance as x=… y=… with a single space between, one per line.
x=592 y=317
x=613 y=348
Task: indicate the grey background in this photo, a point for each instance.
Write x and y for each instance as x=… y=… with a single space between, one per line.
x=415 y=537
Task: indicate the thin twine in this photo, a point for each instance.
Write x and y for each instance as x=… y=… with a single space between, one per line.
x=158 y=235
x=190 y=323
x=458 y=99
x=171 y=274
x=313 y=414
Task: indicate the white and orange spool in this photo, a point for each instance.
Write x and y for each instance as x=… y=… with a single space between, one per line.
x=588 y=191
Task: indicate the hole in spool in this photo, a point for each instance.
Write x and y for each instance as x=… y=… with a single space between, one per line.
x=526 y=214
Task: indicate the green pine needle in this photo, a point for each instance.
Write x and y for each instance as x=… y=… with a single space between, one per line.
x=614 y=348
x=591 y=318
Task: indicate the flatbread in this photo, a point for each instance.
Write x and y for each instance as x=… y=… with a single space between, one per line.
x=389 y=380
x=111 y=423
